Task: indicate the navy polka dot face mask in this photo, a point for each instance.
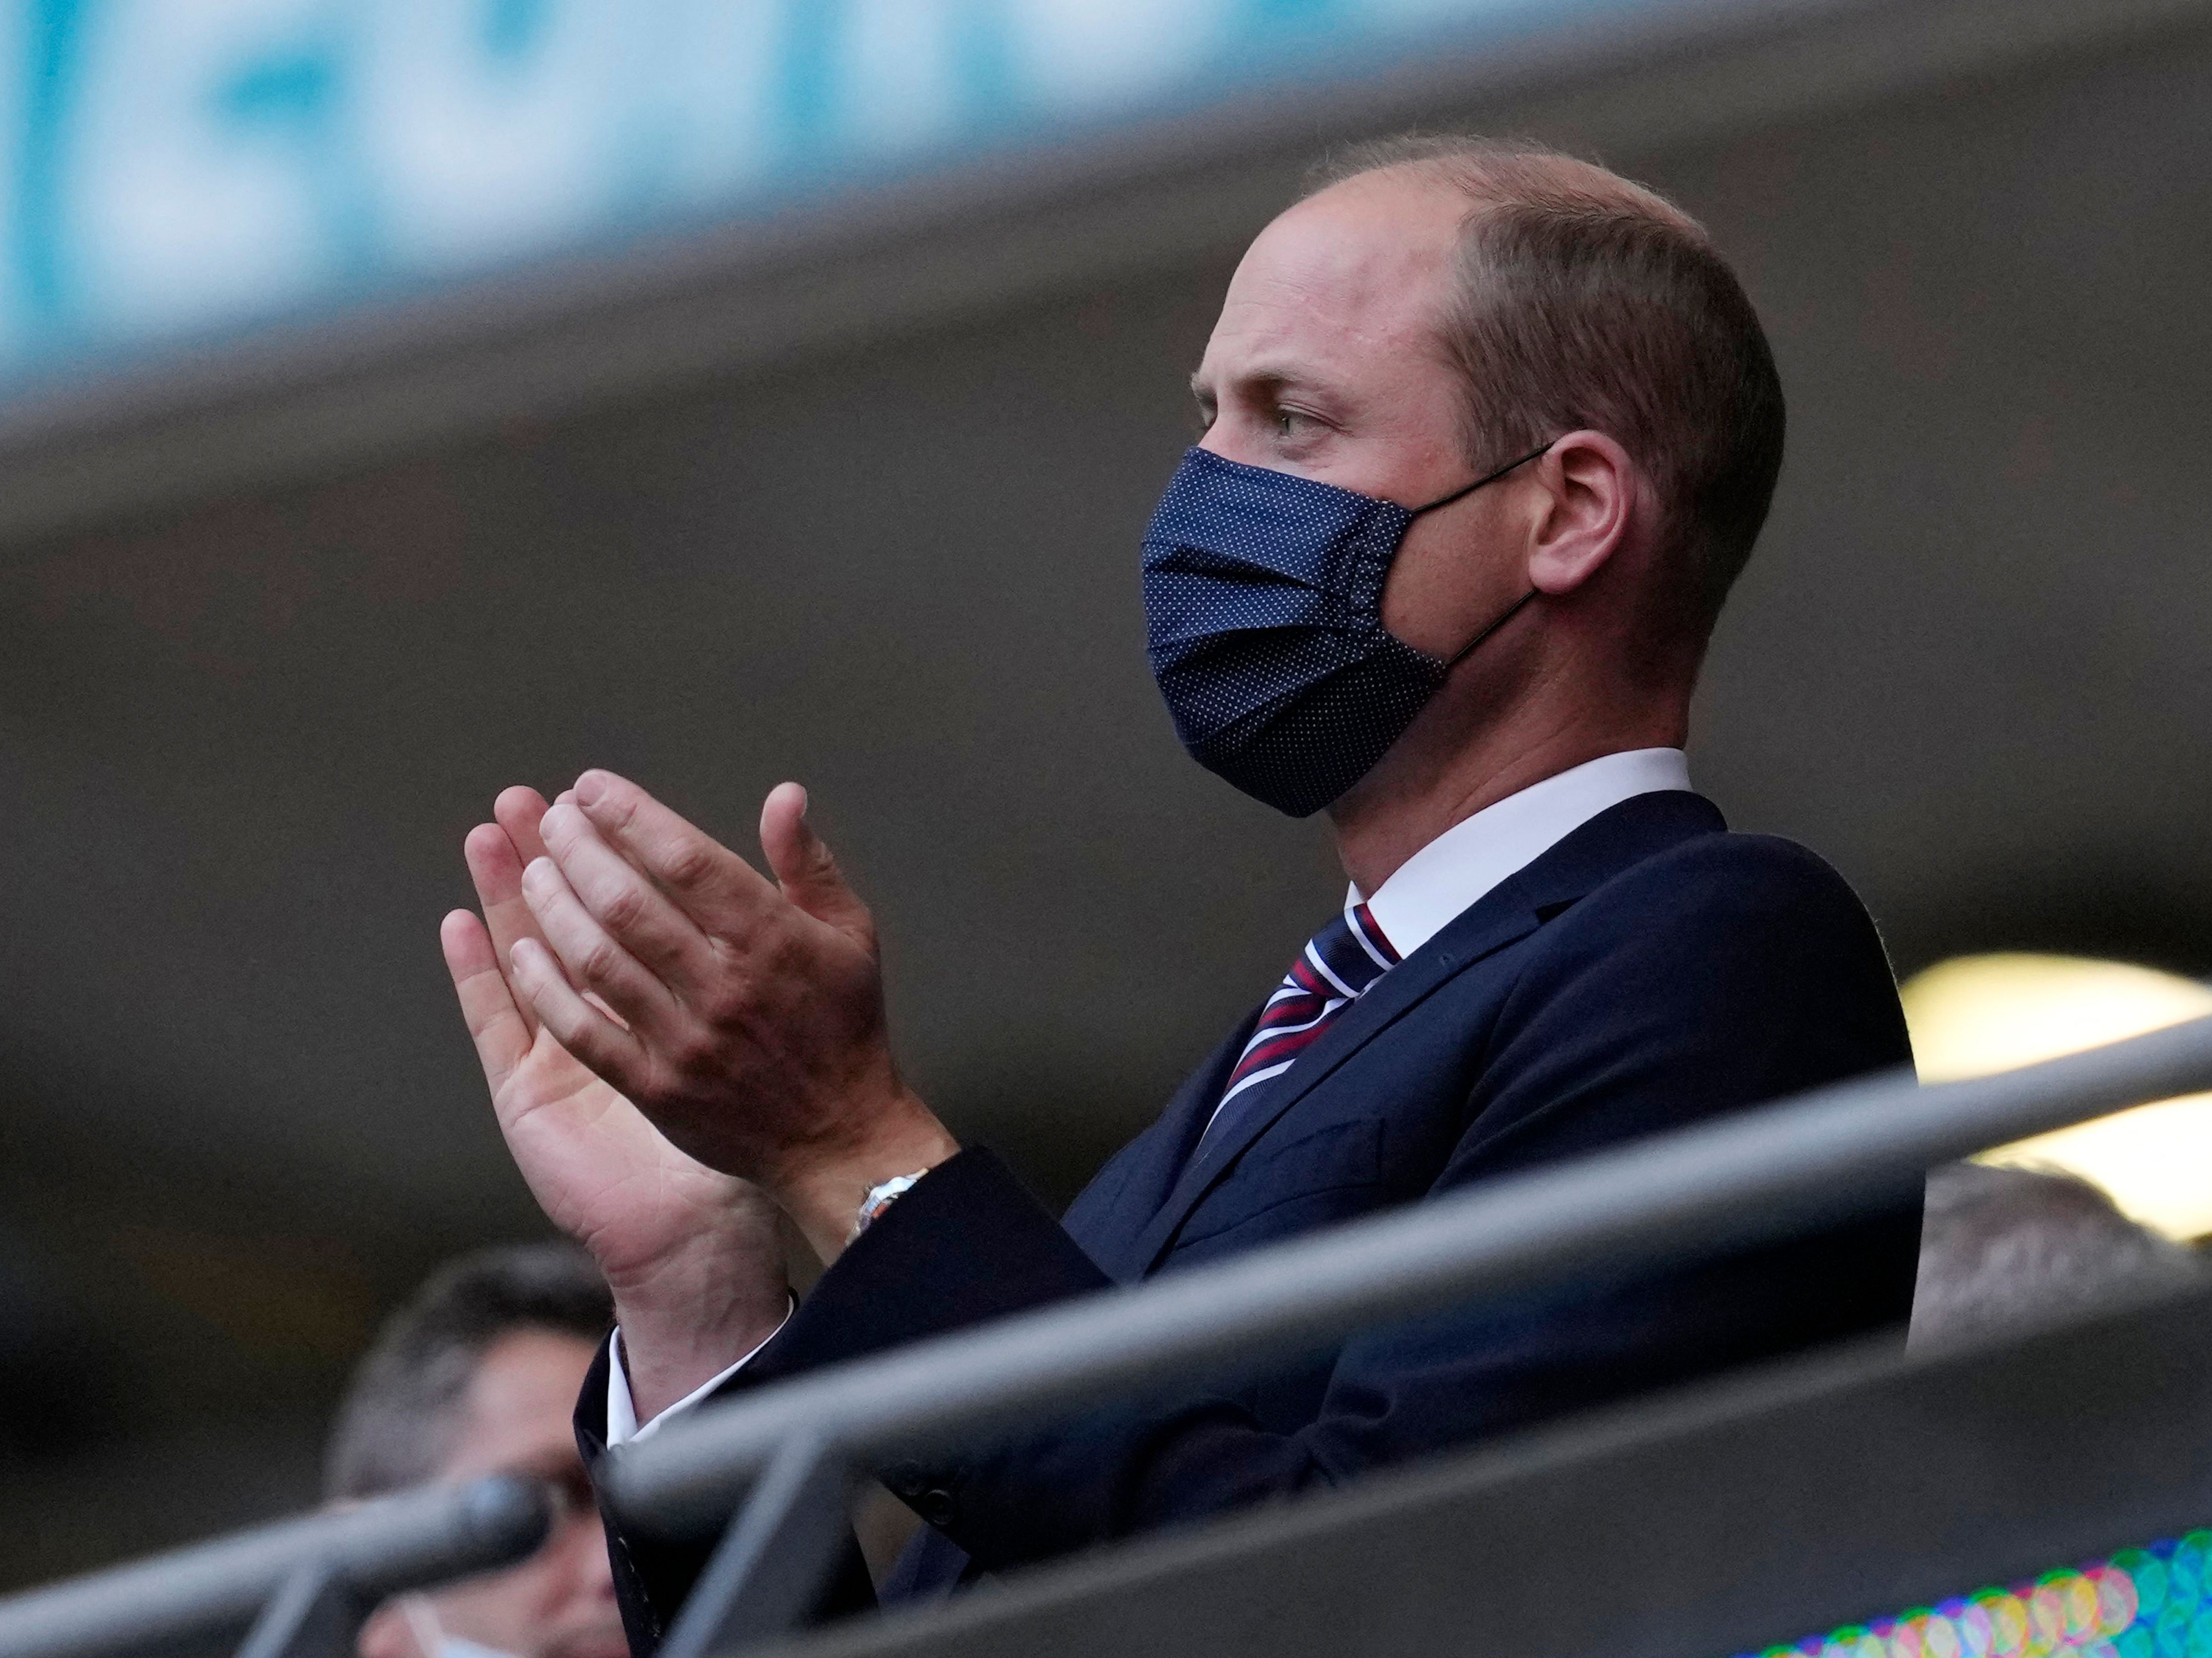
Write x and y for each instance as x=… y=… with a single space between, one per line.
x=1263 y=606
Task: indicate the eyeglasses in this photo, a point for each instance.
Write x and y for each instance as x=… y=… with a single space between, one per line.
x=570 y=1489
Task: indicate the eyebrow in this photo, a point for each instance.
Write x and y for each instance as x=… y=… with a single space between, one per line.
x=1265 y=379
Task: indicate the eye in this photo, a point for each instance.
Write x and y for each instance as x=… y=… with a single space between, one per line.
x=572 y=1493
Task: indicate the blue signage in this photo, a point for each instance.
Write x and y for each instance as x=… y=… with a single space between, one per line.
x=175 y=168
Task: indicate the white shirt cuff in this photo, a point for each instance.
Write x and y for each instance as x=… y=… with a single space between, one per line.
x=621 y=1412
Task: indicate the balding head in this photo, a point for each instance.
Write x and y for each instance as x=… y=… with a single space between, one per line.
x=1575 y=298
x=1555 y=375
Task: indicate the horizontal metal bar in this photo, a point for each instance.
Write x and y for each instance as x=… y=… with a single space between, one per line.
x=314 y=1615
x=1833 y=1488
x=377 y=1549
x=1751 y=1176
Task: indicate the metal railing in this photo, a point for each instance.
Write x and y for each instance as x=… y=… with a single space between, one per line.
x=787 y=1459
x=300 y=1589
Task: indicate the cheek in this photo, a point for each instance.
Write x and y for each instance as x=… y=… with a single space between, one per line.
x=1449 y=580
x=571 y=1568
x=582 y=1552
x=506 y=1610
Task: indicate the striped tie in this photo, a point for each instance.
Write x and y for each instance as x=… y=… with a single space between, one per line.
x=1344 y=958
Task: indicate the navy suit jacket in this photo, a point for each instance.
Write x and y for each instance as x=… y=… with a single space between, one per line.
x=1651 y=971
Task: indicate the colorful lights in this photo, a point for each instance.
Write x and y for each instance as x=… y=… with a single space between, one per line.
x=2142 y=1603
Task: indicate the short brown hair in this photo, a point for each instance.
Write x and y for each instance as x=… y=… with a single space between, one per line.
x=1586 y=300
x=396 y=1425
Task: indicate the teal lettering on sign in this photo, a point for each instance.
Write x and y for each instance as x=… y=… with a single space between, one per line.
x=174 y=169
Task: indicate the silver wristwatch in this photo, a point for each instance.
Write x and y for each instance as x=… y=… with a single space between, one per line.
x=880 y=1198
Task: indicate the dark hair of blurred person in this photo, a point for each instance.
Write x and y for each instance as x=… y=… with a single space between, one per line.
x=2003 y=1248
x=477 y=1374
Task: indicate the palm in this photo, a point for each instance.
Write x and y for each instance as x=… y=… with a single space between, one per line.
x=602 y=1173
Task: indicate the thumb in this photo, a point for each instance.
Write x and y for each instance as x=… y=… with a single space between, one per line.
x=808 y=874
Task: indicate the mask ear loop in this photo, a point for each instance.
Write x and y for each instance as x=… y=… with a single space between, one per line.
x=1487 y=478
x=1512 y=611
x=1445 y=501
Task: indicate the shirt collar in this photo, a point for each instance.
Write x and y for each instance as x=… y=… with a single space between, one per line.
x=1455 y=871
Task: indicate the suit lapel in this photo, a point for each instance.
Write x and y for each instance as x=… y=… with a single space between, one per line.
x=1395 y=994
x=1610 y=842
x=1109 y=1236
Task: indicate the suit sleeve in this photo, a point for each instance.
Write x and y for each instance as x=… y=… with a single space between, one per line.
x=1715 y=978
x=967 y=1244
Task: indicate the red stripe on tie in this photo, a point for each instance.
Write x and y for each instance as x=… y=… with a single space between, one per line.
x=1262 y=1054
x=1373 y=934
x=1356 y=952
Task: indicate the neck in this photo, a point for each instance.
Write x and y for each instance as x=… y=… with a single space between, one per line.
x=1414 y=795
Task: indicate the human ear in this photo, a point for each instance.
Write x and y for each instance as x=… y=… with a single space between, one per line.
x=1588 y=491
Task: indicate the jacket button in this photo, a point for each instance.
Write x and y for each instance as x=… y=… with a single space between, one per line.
x=935 y=1506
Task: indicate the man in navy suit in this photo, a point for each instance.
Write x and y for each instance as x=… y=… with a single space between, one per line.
x=1488 y=432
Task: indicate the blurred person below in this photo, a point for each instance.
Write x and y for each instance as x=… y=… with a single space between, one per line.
x=477 y=1375
x=2007 y=1248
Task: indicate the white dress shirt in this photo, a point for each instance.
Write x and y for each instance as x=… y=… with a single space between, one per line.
x=1436 y=885
x=621 y=1411
x=1448 y=876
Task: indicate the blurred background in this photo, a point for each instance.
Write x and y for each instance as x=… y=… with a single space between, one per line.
x=401 y=398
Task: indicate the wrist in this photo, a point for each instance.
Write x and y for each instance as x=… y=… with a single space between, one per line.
x=668 y=1357
x=691 y=1317
x=824 y=1197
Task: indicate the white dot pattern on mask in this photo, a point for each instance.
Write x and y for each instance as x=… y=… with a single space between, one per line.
x=1263 y=597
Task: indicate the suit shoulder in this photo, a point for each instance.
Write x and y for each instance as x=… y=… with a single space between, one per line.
x=1755 y=868
x=1730 y=933
x=1743 y=889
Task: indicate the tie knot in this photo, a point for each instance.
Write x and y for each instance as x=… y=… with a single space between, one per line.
x=1332 y=972
x=1348 y=955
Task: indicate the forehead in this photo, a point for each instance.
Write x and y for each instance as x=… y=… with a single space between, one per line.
x=519 y=1404
x=1360 y=269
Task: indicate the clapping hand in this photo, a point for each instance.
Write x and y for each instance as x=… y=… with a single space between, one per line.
x=666 y=1230
x=743 y=1015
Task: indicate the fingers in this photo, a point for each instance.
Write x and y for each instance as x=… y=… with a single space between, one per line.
x=520 y=811
x=497 y=854
x=709 y=883
x=588 y=1034
x=496 y=1024
x=595 y=962
x=635 y=911
x=809 y=875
